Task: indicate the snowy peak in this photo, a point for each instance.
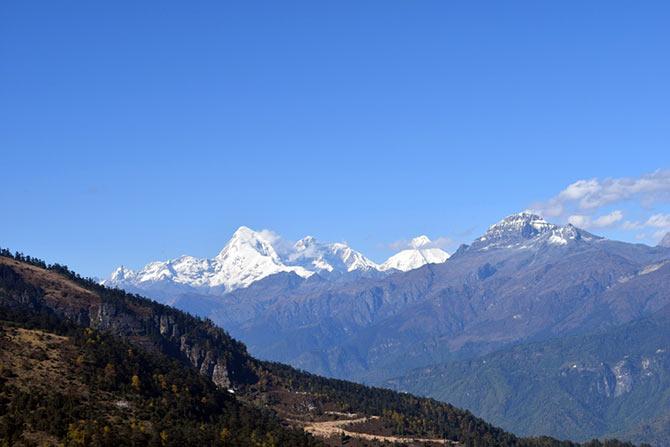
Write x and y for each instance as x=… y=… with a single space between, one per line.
x=352 y=259
x=420 y=241
x=122 y=274
x=513 y=230
x=418 y=255
x=525 y=230
x=305 y=243
x=245 y=238
x=336 y=258
x=253 y=255
x=247 y=257
x=565 y=235
x=525 y=225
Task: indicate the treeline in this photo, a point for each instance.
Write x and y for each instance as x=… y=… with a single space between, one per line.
x=408 y=415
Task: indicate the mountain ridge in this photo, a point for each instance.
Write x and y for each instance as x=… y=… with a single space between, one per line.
x=251 y=255
x=524 y=280
x=150 y=340
x=483 y=297
x=593 y=378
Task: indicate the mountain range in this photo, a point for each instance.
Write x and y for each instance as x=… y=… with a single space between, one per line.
x=251 y=255
x=524 y=281
x=85 y=365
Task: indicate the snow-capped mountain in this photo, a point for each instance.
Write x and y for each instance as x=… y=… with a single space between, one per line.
x=522 y=279
x=419 y=254
x=251 y=255
x=524 y=230
x=246 y=258
x=333 y=258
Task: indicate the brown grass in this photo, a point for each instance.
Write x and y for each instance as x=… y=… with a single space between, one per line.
x=55 y=287
x=31 y=359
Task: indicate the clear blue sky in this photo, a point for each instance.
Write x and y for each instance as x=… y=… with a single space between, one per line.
x=132 y=131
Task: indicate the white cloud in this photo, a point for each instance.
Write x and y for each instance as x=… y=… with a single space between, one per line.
x=659 y=221
x=604 y=221
x=587 y=203
x=590 y=194
x=655 y=221
x=579 y=220
x=660 y=234
x=440 y=242
x=608 y=220
x=631 y=225
x=580 y=189
x=282 y=246
x=269 y=235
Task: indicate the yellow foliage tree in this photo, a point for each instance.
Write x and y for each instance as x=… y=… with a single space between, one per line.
x=135 y=382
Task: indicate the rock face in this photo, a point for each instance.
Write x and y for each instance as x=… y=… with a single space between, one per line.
x=152 y=327
x=513 y=230
x=665 y=242
x=525 y=229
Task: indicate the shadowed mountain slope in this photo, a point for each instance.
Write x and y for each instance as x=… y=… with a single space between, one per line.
x=613 y=381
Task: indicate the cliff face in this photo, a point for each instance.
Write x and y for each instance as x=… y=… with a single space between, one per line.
x=153 y=327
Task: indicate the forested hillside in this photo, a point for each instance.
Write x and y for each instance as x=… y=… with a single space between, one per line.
x=611 y=381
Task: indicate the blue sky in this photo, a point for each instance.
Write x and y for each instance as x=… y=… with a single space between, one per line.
x=134 y=131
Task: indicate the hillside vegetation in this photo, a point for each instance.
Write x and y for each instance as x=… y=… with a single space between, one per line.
x=611 y=381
